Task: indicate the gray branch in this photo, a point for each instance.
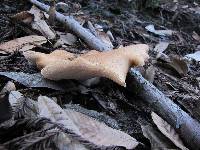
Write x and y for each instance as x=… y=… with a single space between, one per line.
x=185 y=125
x=76 y=28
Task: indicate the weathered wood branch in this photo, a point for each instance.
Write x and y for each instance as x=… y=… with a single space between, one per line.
x=76 y=28
x=188 y=127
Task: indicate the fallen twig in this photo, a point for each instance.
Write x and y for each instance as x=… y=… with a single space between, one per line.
x=188 y=127
x=74 y=26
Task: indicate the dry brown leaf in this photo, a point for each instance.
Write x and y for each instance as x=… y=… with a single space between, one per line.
x=152 y=29
x=168 y=131
x=65 y=38
x=22 y=44
x=150 y=73
x=100 y=116
x=97 y=31
x=23 y=104
x=24 y=17
x=6 y=118
x=92 y=28
x=40 y=24
x=10 y=86
x=35 y=17
x=105 y=38
x=112 y=64
x=49 y=110
x=157 y=139
x=179 y=65
x=161 y=47
x=196 y=36
x=87 y=128
x=5 y=111
x=64 y=142
x=14 y=97
x=110 y=35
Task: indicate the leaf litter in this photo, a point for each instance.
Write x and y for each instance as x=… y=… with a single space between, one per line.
x=152 y=29
x=87 y=128
x=161 y=47
x=168 y=131
x=65 y=39
x=22 y=44
x=114 y=30
x=35 y=17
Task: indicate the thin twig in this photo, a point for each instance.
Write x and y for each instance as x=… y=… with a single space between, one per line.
x=76 y=28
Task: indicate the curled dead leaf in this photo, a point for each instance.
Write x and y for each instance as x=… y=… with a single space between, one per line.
x=5 y=108
x=113 y=64
x=161 y=47
x=87 y=128
x=157 y=139
x=10 y=86
x=24 y=16
x=64 y=142
x=22 y=106
x=98 y=31
x=196 y=36
x=180 y=65
x=105 y=38
x=150 y=73
x=65 y=38
x=35 y=17
x=100 y=116
x=22 y=44
x=40 y=24
x=152 y=29
x=168 y=131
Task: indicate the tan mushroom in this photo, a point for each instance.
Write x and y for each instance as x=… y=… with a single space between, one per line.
x=111 y=64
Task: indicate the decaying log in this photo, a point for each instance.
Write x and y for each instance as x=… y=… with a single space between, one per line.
x=188 y=127
x=76 y=28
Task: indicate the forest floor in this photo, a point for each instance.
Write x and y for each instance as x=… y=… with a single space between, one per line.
x=168 y=68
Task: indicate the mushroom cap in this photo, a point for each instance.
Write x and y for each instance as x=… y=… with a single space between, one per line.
x=110 y=64
x=42 y=60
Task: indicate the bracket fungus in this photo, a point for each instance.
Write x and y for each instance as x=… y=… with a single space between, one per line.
x=113 y=64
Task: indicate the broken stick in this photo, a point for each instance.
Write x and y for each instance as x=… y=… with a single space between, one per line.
x=188 y=127
x=76 y=28
x=185 y=125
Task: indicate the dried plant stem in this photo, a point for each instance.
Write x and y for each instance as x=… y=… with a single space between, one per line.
x=73 y=25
